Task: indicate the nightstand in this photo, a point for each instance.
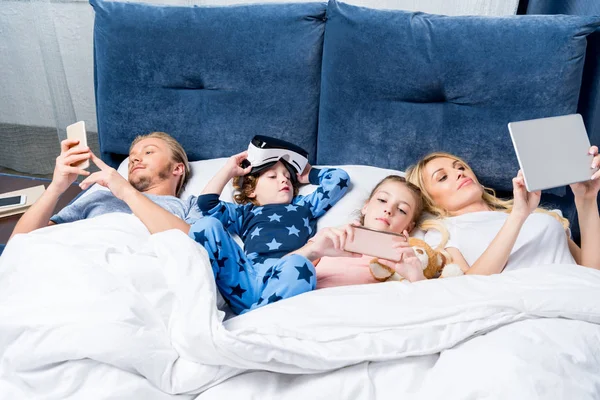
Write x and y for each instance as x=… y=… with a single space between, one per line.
x=8 y=183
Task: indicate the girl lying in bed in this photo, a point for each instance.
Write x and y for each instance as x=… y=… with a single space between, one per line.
x=486 y=235
x=393 y=206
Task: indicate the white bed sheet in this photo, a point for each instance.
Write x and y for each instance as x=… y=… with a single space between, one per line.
x=546 y=358
x=117 y=310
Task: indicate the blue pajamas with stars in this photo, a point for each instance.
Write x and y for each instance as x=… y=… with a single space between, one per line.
x=263 y=273
x=247 y=285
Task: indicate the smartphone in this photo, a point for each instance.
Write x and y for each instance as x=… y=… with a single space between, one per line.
x=374 y=243
x=77 y=131
x=13 y=201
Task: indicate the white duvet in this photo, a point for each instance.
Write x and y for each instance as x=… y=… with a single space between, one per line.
x=101 y=309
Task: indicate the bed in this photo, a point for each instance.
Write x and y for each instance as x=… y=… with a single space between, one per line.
x=102 y=309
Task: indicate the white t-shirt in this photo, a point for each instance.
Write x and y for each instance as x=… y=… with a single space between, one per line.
x=542 y=239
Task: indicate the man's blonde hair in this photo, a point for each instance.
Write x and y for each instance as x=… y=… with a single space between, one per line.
x=178 y=155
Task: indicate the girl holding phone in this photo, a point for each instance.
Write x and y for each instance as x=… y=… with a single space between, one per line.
x=393 y=206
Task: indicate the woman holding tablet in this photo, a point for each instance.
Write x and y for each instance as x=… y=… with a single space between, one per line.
x=486 y=235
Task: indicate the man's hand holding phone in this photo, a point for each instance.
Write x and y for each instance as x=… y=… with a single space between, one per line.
x=65 y=169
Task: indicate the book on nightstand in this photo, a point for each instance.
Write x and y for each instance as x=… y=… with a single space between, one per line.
x=32 y=193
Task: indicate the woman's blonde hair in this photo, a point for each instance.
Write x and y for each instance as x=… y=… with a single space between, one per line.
x=178 y=155
x=415 y=191
x=415 y=174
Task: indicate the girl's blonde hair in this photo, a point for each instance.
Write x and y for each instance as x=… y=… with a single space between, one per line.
x=415 y=191
x=178 y=155
x=415 y=175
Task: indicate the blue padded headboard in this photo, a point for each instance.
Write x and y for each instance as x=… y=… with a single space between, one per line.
x=368 y=86
x=589 y=101
x=397 y=85
x=210 y=76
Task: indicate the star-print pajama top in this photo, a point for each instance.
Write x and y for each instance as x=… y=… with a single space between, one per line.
x=262 y=273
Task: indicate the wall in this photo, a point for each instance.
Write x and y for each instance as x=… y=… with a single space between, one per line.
x=46 y=62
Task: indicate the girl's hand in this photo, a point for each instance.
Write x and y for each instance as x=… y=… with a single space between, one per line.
x=233 y=165
x=109 y=178
x=410 y=268
x=402 y=248
x=588 y=190
x=303 y=177
x=330 y=242
x=524 y=202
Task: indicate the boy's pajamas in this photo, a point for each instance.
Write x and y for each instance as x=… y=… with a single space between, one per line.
x=263 y=274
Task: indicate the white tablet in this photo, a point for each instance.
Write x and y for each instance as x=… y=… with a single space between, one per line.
x=553 y=151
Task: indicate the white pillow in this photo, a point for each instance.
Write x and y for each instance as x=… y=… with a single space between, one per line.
x=363 y=179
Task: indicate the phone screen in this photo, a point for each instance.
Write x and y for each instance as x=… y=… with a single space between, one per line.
x=10 y=201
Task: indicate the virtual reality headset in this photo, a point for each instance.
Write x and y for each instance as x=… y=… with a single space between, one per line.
x=265 y=151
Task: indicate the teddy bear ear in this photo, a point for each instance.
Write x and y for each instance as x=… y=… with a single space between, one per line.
x=380 y=272
x=442 y=258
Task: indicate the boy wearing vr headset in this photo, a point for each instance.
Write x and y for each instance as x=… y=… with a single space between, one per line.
x=270 y=218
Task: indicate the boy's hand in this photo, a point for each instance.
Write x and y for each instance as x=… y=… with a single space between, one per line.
x=233 y=165
x=303 y=177
x=64 y=173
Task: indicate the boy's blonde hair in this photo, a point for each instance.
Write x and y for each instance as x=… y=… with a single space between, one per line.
x=415 y=191
x=415 y=175
x=178 y=155
x=245 y=185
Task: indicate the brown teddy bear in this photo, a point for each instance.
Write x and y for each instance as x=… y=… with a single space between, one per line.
x=433 y=262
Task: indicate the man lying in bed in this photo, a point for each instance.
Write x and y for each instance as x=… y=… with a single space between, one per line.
x=158 y=167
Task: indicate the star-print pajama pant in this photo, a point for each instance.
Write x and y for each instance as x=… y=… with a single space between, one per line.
x=246 y=285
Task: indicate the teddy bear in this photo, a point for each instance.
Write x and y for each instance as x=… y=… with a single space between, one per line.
x=433 y=262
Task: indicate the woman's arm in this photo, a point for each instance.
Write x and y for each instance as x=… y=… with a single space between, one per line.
x=586 y=202
x=494 y=258
x=575 y=250
x=589 y=226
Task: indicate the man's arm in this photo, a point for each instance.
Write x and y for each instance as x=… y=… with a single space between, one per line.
x=156 y=218
x=40 y=212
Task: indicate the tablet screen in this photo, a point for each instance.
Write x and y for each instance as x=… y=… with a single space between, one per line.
x=552 y=152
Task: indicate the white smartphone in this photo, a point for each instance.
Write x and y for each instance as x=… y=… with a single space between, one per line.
x=77 y=131
x=13 y=201
x=374 y=243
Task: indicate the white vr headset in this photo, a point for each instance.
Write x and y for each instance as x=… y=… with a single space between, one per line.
x=265 y=151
